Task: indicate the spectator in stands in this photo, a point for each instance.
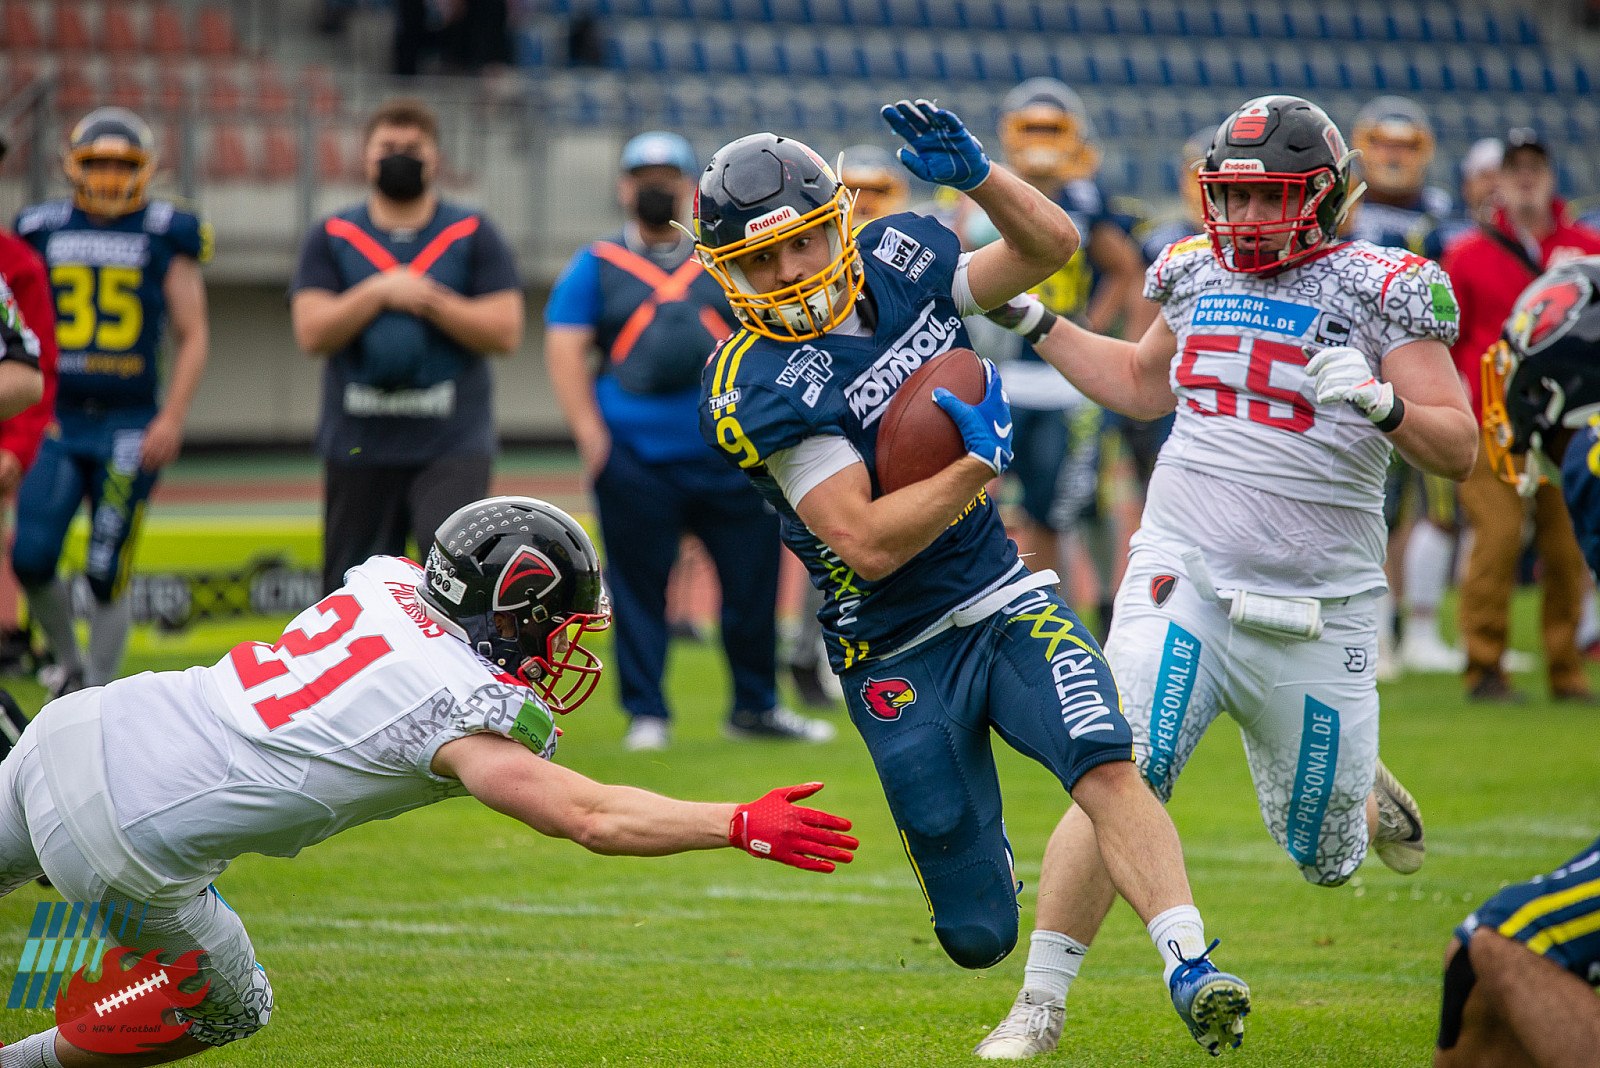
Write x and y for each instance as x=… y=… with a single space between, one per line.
x=1480 y=173
x=654 y=315
x=1529 y=233
x=125 y=266
x=467 y=35
x=405 y=294
x=20 y=435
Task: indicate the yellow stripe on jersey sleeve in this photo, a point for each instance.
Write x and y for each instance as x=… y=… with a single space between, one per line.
x=1564 y=932
x=720 y=383
x=1544 y=906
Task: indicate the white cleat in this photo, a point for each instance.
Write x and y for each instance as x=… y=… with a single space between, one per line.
x=646 y=734
x=1518 y=662
x=1399 y=842
x=1033 y=1026
x=1422 y=651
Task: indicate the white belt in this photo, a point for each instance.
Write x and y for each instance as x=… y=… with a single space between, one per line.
x=72 y=757
x=979 y=610
x=1296 y=618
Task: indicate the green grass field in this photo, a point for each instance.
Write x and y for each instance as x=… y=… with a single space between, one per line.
x=452 y=936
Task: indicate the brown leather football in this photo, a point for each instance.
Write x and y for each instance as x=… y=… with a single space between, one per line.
x=917 y=439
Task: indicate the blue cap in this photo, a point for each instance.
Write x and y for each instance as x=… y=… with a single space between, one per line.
x=658 y=148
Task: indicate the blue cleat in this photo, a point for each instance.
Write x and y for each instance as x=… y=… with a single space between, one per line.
x=1213 y=1004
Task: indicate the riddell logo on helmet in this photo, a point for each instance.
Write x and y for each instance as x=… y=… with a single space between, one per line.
x=1253 y=166
x=887 y=698
x=770 y=220
x=527 y=566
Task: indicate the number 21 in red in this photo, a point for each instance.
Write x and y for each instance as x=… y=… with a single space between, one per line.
x=253 y=670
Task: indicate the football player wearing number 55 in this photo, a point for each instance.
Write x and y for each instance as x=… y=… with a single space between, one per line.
x=1295 y=362
x=938 y=632
x=125 y=268
x=405 y=686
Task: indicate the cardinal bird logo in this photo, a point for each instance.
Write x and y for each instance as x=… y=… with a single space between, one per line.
x=1546 y=314
x=125 y=1010
x=519 y=580
x=887 y=698
x=1161 y=588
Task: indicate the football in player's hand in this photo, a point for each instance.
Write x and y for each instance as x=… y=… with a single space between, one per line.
x=917 y=439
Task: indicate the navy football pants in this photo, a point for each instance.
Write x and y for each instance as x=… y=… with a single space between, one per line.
x=1033 y=673
x=644 y=508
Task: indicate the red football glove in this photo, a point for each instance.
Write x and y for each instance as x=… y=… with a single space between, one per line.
x=775 y=829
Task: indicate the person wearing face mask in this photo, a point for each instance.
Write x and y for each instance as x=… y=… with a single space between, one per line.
x=643 y=306
x=405 y=295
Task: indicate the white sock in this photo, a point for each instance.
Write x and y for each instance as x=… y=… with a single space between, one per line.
x=50 y=606
x=35 y=1051
x=1053 y=962
x=1427 y=567
x=1588 y=623
x=1181 y=926
x=108 y=640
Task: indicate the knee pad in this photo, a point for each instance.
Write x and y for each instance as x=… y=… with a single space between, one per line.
x=33 y=564
x=975 y=946
x=227 y=1016
x=975 y=911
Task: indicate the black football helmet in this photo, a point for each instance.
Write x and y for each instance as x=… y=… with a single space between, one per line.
x=1289 y=142
x=531 y=560
x=116 y=135
x=1544 y=372
x=756 y=192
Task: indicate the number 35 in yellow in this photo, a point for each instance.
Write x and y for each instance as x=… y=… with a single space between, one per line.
x=106 y=316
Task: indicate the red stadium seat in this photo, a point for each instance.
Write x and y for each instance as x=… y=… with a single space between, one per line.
x=228 y=158
x=22 y=71
x=74 y=89
x=19 y=28
x=318 y=81
x=272 y=95
x=222 y=92
x=164 y=33
x=213 y=32
x=127 y=87
x=71 y=33
x=172 y=88
x=117 y=31
x=281 y=158
x=330 y=156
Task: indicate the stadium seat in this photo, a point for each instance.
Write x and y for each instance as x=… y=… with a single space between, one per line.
x=126 y=87
x=221 y=92
x=841 y=56
x=803 y=58
x=1032 y=58
x=882 y=58
x=789 y=12
x=228 y=156
x=906 y=14
x=763 y=54
x=1055 y=17
x=21 y=31
x=172 y=88
x=75 y=89
x=117 y=31
x=1074 y=63
x=70 y=32
x=322 y=95
x=164 y=31
x=272 y=96
x=996 y=61
x=213 y=32
x=962 y=64
x=330 y=156
x=280 y=156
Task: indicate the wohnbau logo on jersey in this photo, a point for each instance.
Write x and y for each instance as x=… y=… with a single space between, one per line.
x=887 y=698
x=869 y=394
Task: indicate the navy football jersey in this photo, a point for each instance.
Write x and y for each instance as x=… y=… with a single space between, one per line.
x=1580 y=484
x=759 y=396
x=1424 y=227
x=110 y=306
x=1556 y=916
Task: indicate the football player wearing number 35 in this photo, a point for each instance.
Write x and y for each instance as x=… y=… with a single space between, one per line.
x=405 y=686
x=1296 y=362
x=938 y=632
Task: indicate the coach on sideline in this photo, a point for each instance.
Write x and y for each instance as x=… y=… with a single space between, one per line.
x=405 y=294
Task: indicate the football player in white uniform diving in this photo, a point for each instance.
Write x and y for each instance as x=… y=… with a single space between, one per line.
x=1295 y=363
x=404 y=687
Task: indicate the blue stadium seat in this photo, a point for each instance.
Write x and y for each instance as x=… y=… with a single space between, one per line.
x=961 y=63
x=1165 y=20
x=723 y=50
x=791 y=12
x=745 y=12
x=1074 y=64
x=762 y=51
x=1032 y=58
x=986 y=15
x=924 y=61
x=707 y=10
x=883 y=58
x=829 y=12
x=804 y=58
x=1235 y=20
x=1057 y=17
x=1183 y=64
x=868 y=13
x=634 y=48
x=907 y=14
x=1321 y=69
x=1020 y=16
x=1147 y=66
x=996 y=61
x=1222 y=67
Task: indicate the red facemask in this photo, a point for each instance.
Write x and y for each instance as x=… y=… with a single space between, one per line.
x=1298 y=219
x=566 y=678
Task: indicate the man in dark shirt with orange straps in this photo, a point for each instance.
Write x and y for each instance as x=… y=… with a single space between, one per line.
x=406 y=295
x=642 y=300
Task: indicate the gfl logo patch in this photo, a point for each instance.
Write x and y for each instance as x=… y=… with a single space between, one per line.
x=887 y=698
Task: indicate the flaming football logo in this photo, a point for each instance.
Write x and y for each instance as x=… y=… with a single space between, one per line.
x=887 y=698
x=125 y=1009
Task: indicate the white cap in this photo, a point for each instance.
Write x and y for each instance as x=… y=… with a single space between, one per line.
x=1484 y=155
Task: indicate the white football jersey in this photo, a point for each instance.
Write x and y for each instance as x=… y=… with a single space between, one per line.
x=1247 y=414
x=278 y=746
x=1246 y=407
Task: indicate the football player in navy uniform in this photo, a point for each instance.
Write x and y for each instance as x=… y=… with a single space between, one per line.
x=124 y=267
x=1519 y=971
x=1049 y=140
x=937 y=630
x=1400 y=210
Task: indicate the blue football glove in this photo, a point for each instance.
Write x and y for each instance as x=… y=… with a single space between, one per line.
x=986 y=426
x=939 y=148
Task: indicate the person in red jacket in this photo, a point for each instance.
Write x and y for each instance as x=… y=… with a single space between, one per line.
x=20 y=435
x=1488 y=269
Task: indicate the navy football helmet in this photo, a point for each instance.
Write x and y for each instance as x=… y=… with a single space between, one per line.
x=529 y=560
x=1289 y=142
x=1543 y=375
x=110 y=135
x=876 y=181
x=1395 y=140
x=756 y=192
x=1046 y=131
